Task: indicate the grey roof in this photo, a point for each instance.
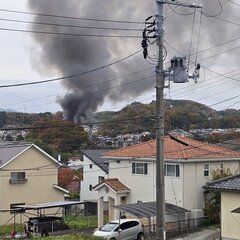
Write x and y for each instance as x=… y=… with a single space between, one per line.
x=225 y=184
x=9 y=150
x=149 y=209
x=95 y=156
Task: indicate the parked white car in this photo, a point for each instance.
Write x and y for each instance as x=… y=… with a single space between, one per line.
x=129 y=229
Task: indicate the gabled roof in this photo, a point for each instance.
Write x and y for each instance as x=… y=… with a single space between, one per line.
x=175 y=148
x=95 y=157
x=114 y=184
x=228 y=184
x=10 y=150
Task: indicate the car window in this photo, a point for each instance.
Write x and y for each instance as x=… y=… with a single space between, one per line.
x=126 y=225
x=109 y=227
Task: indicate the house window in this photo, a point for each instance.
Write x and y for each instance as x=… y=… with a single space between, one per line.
x=18 y=177
x=90 y=166
x=140 y=168
x=172 y=170
x=90 y=187
x=100 y=179
x=222 y=168
x=206 y=170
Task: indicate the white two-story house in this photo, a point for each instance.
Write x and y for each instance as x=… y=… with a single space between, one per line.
x=95 y=170
x=188 y=166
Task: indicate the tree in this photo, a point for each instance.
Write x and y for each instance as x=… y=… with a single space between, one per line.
x=19 y=137
x=8 y=138
x=65 y=177
x=58 y=136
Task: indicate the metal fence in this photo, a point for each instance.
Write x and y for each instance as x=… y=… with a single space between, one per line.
x=177 y=228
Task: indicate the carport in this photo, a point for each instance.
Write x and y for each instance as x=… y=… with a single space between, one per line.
x=147 y=210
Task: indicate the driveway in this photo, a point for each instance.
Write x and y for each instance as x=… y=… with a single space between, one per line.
x=205 y=234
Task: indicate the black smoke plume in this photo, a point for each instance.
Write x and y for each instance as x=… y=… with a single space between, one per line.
x=68 y=55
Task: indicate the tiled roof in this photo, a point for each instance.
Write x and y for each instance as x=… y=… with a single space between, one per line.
x=95 y=156
x=114 y=184
x=8 y=150
x=226 y=184
x=175 y=148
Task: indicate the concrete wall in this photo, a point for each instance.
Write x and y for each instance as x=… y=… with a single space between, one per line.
x=230 y=222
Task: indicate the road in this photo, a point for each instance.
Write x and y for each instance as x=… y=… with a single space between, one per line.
x=205 y=234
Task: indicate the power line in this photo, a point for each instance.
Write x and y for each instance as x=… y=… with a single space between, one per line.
x=233 y=2
x=68 y=34
x=70 y=17
x=71 y=125
x=70 y=25
x=73 y=75
x=85 y=87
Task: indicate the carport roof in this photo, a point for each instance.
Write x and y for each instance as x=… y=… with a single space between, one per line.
x=149 y=209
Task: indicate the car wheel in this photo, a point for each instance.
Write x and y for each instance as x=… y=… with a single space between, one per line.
x=140 y=236
x=112 y=238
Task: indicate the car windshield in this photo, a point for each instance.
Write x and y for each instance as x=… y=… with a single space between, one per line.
x=109 y=227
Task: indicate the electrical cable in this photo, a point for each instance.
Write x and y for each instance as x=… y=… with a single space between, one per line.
x=198 y=39
x=69 y=25
x=70 y=17
x=214 y=15
x=190 y=48
x=85 y=87
x=73 y=75
x=67 y=34
x=233 y=3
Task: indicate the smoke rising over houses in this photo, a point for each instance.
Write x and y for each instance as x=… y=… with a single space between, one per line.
x=67 y=55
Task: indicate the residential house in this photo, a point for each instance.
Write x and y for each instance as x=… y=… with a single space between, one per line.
x=28 y=175
x=95 y=170
x=188 y=166
x=230 y=205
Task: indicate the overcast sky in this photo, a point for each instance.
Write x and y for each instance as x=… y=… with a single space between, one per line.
x=30 y=57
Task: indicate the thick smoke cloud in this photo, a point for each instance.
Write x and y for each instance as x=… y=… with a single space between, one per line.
x=71 y=55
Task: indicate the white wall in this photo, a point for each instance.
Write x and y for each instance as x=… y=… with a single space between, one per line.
x=90 y=177
x=194 y=180
x=230 y=222
x=184 y=191
x=143 y=187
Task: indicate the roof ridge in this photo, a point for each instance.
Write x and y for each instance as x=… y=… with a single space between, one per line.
x=132 y=146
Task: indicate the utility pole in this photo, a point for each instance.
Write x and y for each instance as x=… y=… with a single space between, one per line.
x=160 y=81
x=160 y=85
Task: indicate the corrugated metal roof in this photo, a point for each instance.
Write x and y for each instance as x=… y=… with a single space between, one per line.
x=149 y=209
x=174 y=149
x=9 y=150
x=47 y=205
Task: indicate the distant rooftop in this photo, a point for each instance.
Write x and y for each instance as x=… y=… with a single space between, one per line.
x=9 y=150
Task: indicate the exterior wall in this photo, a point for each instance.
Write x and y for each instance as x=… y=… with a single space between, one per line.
x=143 y=187
x=184 y=191
x=90 y=177
x=230 y=222
x=41 y=174
x=194 y=180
